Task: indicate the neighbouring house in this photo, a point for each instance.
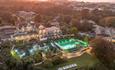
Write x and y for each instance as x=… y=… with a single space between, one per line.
x=6 y=32
x=26 y=28
x=108 y=31
x=49 y=32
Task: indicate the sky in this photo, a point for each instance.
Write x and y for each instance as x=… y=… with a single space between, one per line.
x=113 y=1
x=97 y=0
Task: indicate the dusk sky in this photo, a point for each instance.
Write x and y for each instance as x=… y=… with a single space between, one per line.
x=112 y=1
x=94 y=0
x=90 y=0
x=97 y=0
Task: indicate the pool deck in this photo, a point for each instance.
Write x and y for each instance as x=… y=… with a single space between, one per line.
x=77 y=53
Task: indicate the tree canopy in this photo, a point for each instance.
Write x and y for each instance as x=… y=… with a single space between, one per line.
x=104 y=51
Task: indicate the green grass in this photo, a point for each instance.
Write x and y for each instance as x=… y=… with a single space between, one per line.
x=85 y=60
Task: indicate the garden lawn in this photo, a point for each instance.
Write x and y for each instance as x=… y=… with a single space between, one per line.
x=85 y=60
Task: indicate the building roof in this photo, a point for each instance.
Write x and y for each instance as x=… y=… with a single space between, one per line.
x=7 y=27
x=55 y=23
x=52 y=29
x=7 y=31
x=41 y=27
x=24 y=33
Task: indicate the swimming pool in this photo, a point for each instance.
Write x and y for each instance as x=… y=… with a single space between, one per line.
x=71 y=44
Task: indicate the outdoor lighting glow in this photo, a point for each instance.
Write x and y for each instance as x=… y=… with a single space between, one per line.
x=64 y=44
x=31 y=51
x=26 y=37
x=67 y=44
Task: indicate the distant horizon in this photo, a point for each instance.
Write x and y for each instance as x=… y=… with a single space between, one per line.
x=95 y=1
x=110 y=1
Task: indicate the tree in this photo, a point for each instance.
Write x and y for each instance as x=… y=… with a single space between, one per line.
x=85 y=26
x=58 y=60
x=73 y=30
x=37 y=57
x=108 y=22
x=7 y=18
x=96 y=15
x=0 y=21
x=38 y=18
x=85 y=14
x=67 y=18
x=104 y=51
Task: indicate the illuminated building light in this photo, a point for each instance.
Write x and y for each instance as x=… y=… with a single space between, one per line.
x=22 y=55
x=31 y=51
x=26 y=37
